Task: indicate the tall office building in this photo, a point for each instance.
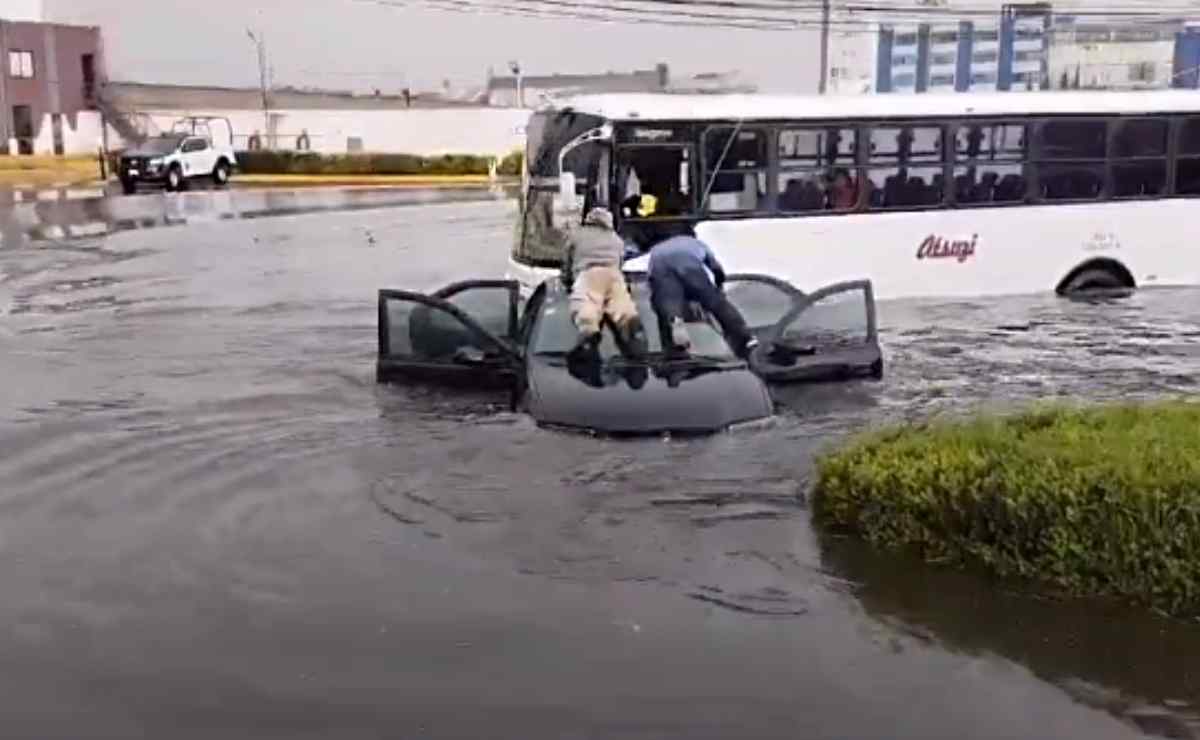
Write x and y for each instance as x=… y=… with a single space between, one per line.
x=1011 y=52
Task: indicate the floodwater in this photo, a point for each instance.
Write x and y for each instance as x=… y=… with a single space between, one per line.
x=213 y=523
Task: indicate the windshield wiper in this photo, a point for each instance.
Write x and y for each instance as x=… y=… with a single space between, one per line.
x=667 y=359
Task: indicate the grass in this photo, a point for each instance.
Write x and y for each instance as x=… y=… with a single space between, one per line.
x=1101 y=501
x=43 y=171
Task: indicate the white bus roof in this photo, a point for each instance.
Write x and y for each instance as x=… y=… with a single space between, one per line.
x=670 y=107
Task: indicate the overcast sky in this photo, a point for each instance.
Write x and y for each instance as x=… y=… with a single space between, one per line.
x=343 y=43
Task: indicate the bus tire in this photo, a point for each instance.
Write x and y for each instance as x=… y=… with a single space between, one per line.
x=1107 y=279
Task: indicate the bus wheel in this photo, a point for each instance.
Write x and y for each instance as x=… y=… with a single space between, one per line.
x=1098 y=281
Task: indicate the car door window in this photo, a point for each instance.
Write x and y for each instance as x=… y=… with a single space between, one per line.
x=492 y=304
x=830 y=322
x=762 y=300
x=832 y=332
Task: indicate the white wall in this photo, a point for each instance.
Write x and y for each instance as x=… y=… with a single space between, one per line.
x=495 y=131
x=83 y=138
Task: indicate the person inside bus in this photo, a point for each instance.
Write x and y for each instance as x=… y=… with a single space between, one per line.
x=592 y=270
x=844 y=192
x=683 y=270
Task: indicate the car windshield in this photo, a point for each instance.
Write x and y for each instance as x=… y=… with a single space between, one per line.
x=555 y=333
x=159 y=145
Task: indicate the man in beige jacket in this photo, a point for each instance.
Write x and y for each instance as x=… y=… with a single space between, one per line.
x=593 y=271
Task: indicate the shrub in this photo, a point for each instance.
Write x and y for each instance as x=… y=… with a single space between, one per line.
x=265 y=162
x=512 y=164
x=1102 y=501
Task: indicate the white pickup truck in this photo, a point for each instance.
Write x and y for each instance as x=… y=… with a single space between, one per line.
x=174 y=159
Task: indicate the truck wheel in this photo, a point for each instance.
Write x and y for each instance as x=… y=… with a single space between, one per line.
x=175 y=179
x=221 y=174
x=129 y=187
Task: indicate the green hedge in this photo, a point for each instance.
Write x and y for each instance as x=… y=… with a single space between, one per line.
x=1094 y=502
x=310 y=163
x=512 y=165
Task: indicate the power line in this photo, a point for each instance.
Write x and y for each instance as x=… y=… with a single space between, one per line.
x=784 y=16
x=502 y=8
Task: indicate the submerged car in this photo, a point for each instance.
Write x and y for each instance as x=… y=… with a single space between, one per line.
x=477 y=333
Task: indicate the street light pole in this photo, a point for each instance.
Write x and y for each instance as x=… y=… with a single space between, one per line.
x=516 y=70
x=824 y=79
x=261 y=46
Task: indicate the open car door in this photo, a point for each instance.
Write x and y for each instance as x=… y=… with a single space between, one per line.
x=762 y=300
x=830 y=334
x=461 y=334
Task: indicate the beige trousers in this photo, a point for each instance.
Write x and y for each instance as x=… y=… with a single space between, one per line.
x=599 y=291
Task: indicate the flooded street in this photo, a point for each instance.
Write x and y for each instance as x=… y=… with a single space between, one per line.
x=213 y=522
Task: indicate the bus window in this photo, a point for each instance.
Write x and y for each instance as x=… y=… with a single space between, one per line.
x=1071 y=159
x=1187 y=166
x=661 y=171
x=905 y=168
x=1139 y=154
x=1072 y=139
x=989 y=163
x=816 y=170
x=735 y=167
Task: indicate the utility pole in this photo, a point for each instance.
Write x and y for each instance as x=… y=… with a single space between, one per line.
x=825 y=13
x=264 y=83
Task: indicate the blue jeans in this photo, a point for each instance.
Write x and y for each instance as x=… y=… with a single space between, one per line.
x=672 y=287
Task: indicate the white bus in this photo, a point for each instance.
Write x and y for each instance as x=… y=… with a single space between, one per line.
x=925 y=195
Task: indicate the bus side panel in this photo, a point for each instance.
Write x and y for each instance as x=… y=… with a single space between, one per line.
x=968 y=252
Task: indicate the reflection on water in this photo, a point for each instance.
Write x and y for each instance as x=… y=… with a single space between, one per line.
x=206 y=502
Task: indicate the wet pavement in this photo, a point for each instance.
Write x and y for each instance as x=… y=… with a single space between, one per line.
x=213 y=523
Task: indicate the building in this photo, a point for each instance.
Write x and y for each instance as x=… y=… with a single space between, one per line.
x=1087 y=55
x=1010 y=52
x=522 y=91
x=1026 y=47
x=51 y=76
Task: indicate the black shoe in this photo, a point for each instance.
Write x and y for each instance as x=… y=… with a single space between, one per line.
x=587 y=341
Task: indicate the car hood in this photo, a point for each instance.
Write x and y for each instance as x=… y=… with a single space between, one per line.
x=636 y=398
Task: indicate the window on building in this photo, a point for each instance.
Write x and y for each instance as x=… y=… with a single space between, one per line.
x=816 y=170
x=941 y=81
x=904 y=60
x=984 y=57
x=944 y=37
x=1071 y=158
x=908 y=79
x=906 y=39
x=986 y=36
x=735 y=163
x=944 y=59
x=1142 y=72
x=1187 y=166
x=1028 y=56
x=905 y=167
x=990 y=163
x=983 y=78
x=20 y=64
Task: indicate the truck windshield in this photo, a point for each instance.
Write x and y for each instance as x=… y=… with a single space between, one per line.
x=160 y=145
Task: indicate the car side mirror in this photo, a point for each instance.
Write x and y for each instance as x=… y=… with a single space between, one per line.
x=470 y=356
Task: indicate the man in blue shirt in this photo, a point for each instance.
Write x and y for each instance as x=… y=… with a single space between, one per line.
x=683 y=269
